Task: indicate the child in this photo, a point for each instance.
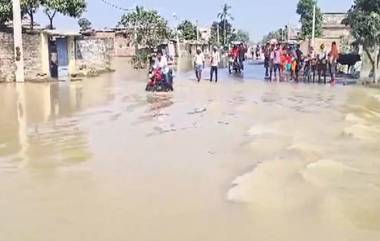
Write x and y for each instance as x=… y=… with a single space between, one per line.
x=284 y=63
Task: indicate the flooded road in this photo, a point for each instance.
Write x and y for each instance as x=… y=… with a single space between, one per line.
x=239 y=160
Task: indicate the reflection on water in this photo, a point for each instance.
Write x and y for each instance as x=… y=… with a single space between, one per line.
x=103 y=160
x=37 y=125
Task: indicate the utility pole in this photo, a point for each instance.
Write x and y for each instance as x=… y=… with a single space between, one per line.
x=177 y=33
x=218 y=34
x=197 y=32
x=17 y=36
x=313 y=31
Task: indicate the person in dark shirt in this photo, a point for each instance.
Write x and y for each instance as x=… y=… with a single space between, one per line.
x=242 y=51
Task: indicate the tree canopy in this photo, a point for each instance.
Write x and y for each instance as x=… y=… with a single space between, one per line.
x=72 y=8
x=188 y=31
x=225 y=30
x=364 y=20
x=150 y=28
x=84 y=24
x=5 y=11
x=305 y=10
x=225 y=16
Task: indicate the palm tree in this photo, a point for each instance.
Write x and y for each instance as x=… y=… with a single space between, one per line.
x=224 y=16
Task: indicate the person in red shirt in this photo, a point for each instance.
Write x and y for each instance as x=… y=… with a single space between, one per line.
x=235 y=52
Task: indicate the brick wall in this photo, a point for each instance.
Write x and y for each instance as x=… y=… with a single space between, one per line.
x=124 y=46
x=94 y=53
x=32 y=56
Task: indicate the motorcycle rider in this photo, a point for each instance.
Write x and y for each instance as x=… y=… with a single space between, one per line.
x=162 y=63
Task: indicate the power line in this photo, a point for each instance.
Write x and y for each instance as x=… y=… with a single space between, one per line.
x=115 y=6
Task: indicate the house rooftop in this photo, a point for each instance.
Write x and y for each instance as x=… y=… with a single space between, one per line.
x=55 y=32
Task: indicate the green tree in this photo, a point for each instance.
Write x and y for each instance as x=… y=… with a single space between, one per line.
x=364 y=19
x=188 y=31
x=224 y=17
x=72 y=8
x=5 y=11
x=150 y=28
x=221 y=27
x=84 y=24
x=305 y=10
x=30 y=7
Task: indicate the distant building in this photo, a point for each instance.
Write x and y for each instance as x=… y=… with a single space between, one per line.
x=122 y=39
x=332 y=26
x=26 y=24
x=294 y=32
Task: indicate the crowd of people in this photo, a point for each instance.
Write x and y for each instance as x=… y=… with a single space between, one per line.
x=284 y=62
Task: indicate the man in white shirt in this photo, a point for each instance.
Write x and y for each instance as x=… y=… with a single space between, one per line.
x=199 y=63
x=322 y=63
x=162 y=63
x=215 y=60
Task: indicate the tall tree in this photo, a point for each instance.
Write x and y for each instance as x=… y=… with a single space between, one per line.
x=221 y=27
x=188 y=31
x=150 y=28
x=72 y=8
x=224 y=17
x=30 y=7
x=305 y=10
x=84 y=24
x=364 y=19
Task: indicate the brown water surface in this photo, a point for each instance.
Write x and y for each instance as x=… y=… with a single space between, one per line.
x=239 y=160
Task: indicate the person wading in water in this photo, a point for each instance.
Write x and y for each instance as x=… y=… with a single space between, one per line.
x=333 y=59
x=215 y=60
x=199 y=64
x=322 y=63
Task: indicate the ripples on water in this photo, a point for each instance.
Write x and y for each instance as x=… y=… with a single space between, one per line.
x=124 y=163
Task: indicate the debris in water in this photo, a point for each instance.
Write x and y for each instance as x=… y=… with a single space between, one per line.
x=198 y=111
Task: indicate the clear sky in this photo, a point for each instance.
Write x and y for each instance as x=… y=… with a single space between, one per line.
x=258 y=17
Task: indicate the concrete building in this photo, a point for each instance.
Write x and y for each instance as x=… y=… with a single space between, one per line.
x=122 y=40
x=332 y=26
x=51 y=54
x=205 y=33
x=333 y=30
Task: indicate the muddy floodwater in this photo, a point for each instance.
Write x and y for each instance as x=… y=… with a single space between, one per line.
x=241 y=160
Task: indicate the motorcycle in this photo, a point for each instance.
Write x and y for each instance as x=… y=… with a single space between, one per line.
x=157 y=81
x=234 y=66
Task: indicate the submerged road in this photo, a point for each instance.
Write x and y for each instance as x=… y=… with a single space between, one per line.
x=243 y=159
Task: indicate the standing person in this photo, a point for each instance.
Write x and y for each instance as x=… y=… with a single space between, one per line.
x=333 y=59
x=299 y=58
x=267 y=53
x=277 y=62
x=284 y=64
x=242 y=51
x=271 y=61
x=322 y=63
x=215 y=60
x=199 y=63
x=258 y=51
x=313 y=62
